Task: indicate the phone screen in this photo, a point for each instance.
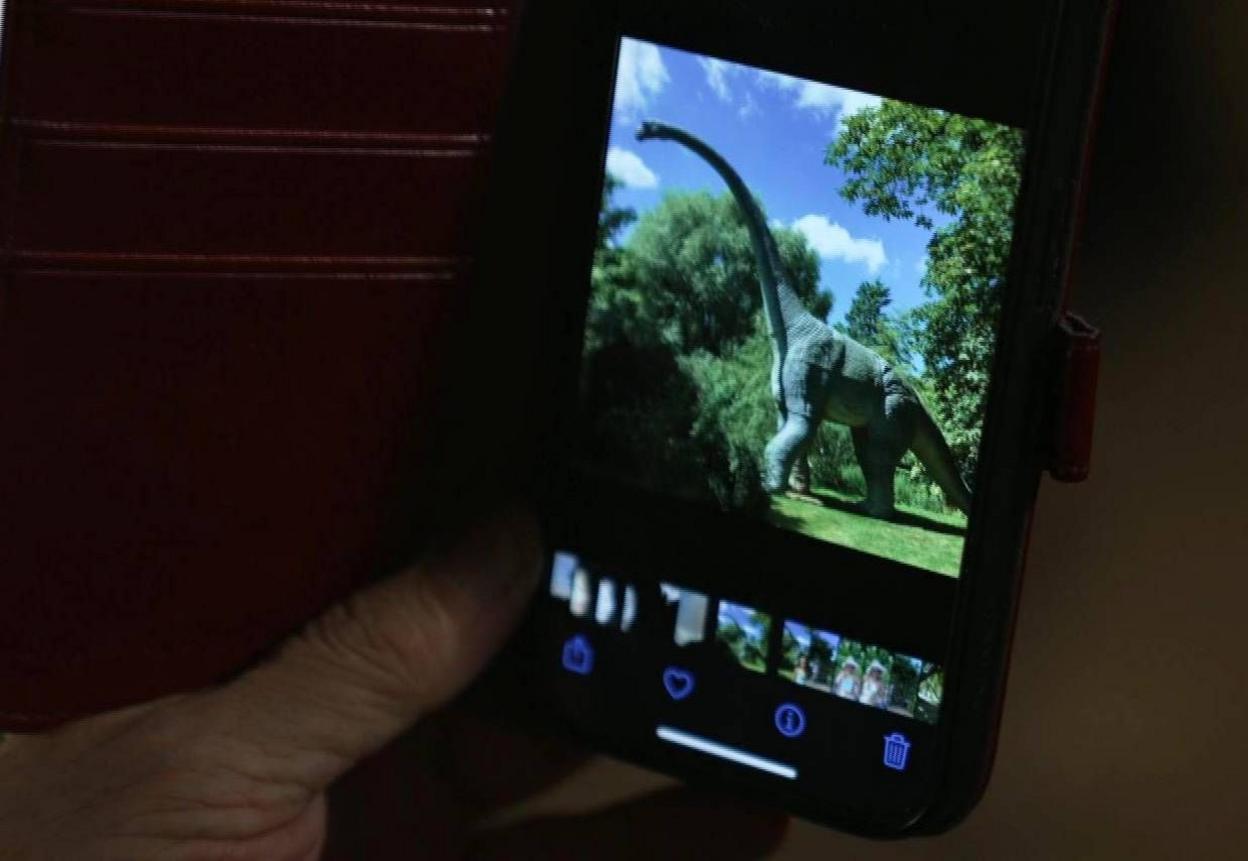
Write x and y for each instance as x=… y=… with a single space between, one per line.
x=793 y=309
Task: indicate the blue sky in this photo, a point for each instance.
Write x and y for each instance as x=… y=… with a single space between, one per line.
x=741 y=615
x=798 y=632
x=775 y=130
x=803 y=633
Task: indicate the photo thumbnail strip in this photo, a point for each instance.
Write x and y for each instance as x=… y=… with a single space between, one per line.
x=746 y=633
x=810 y=657
x=688 y=610
x=590 y=595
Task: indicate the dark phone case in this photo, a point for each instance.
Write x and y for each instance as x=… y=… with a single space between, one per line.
x=236 y=235
x=547 y=188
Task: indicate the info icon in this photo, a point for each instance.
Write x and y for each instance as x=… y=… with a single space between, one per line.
x=578 y=656
x=790 y=720
x=896 y=751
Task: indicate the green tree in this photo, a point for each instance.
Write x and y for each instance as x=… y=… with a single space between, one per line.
x=959 y=177
x=904 y=682
x=820 y=649
x=688 y=277
x=931 y=692
x=867 y=323
x=676 y=354
x=865 y=317
x=731 y=633
x=790 y=651
x=611 y=218
x=610 y=273
x=863 y=654
x=754 y=652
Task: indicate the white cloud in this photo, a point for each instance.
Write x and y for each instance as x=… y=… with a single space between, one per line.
x=821 y=99
x=720 y=75
x=833 y=242
x=717 y=76
x=641 y=77
x=749 y=107
x=629 y=169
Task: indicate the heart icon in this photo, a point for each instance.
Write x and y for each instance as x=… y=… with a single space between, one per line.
x=679 y=683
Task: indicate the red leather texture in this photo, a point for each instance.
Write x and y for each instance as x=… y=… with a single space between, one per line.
x=1074 y=418
x=234 y=234
x=251 y=200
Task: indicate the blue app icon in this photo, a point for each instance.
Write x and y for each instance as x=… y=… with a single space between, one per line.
x=896 y=751
x=790 y=720
x=578 y=656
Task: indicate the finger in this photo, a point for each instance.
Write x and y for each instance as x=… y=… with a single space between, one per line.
x=674 y=823
x=487 y=765
x=359 y=675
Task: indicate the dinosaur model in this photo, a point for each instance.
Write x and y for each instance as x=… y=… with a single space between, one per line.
x=819 y=373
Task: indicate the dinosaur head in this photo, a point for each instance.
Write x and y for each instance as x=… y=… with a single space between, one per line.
x=652 y=129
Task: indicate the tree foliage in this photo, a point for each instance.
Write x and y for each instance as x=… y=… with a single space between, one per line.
x=677 y=354
x=865 y=318
x=867 y=323
x=689 y=278
x=611 y=219
x=820 y=654
x=958 y=177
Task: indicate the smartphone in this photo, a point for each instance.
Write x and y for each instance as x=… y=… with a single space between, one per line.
x=775 y=287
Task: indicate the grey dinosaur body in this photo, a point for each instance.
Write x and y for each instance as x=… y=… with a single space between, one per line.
x=819 y=373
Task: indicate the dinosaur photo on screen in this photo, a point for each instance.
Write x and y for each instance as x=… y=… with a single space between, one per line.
x=820 y=374
x=795 y=297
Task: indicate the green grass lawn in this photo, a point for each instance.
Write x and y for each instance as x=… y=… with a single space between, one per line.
x=917 y=537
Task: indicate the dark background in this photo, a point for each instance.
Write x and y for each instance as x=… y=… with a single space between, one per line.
x=1123 y=733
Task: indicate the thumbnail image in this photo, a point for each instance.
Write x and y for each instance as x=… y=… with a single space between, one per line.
x=862 y=673
x=808 y=656
x=904 y=676
x=583 y=593
x=931 y=689
x=561 y=572
x=570 y=581
x=689 y=609
x=607 y=606
x=591 y=595
x=745 y=631
x=628 y=612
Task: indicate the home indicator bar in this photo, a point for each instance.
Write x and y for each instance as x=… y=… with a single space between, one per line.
x=723 y=751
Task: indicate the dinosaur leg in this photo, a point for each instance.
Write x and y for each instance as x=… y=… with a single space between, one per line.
x=799 y=478
x=784 y=449
x=880 y=447
x=886 y=440
x=875 y=474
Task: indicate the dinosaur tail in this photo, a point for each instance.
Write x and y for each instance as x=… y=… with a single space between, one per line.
x=933 y=452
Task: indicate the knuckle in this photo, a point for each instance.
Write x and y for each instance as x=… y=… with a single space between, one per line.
x=399 y=648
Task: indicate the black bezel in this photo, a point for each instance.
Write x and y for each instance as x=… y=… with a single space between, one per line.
x=1032 y=66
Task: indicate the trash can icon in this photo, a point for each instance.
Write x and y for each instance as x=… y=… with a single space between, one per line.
x=896 y=751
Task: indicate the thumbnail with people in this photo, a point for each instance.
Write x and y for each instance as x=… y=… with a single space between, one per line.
x=794 y=303
x=738 y=637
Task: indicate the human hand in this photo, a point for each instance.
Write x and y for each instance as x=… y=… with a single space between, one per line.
x=243 y=771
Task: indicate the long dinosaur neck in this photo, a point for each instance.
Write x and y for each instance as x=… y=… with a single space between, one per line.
x=781 y=304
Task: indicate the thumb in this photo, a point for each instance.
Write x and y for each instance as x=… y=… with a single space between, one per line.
x=361 y=674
